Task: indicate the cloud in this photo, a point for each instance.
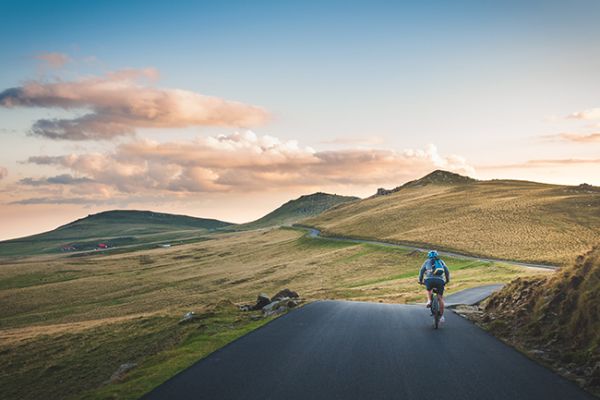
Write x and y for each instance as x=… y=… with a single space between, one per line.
x=358 y=141
x=64 y=179
x=121 y=102
x=237 y=163
x=3 y=173
x=592 y=113
x=544 y=163
x=573 y=137
x=53 y=60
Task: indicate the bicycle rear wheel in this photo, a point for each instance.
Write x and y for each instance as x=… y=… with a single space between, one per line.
x=435 y=310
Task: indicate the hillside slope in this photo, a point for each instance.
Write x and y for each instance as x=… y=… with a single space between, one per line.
x=116 y=228
x=504 y=219
x=300 y=208
x=556 y=317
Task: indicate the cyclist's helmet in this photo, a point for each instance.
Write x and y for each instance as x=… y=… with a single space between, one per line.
x=432 y=254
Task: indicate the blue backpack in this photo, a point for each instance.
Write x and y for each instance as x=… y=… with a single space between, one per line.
x=438 y=267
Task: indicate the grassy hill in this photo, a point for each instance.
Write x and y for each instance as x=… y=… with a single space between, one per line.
x=298 y=209
x=505 y=219
x=114 y=228
x=554 y=318
x=68 y=323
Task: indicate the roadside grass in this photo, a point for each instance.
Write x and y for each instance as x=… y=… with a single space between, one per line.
x=554 y=319
x=68 y=323
x=201 y=338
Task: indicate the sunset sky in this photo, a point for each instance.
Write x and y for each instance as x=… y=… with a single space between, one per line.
x=226 y=109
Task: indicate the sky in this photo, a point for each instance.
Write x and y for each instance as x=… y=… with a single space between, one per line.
x=227 y=109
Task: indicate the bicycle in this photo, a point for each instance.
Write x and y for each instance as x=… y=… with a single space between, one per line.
x=435 y=307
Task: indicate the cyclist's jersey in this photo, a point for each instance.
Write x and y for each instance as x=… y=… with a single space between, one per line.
x=427 y=270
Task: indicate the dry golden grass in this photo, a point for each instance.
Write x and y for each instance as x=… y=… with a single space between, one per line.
x=502 y=219
x=122 y=305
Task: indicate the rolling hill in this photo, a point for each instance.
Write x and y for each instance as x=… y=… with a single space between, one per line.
x=505 y=219
x=111 y=228
x=299 y=209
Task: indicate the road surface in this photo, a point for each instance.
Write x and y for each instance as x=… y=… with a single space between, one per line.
x=354 y=350
x=471 y=296
x=316 y=234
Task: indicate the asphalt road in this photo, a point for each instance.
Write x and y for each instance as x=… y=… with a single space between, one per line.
x=471 y=296
x=316 y=234
x=353 y=350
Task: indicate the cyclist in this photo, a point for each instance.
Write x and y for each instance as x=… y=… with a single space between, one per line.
x=435 y=270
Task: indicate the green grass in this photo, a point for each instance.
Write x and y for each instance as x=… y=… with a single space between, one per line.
x=83 y=317
x=298 y=209
x=67 y=365
x=203 y=337
x=126 y=229
x=39 y=278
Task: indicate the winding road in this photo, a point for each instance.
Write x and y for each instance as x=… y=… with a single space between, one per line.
x=355 y=350
x=316 y=234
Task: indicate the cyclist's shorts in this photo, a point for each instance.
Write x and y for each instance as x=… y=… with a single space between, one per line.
x=435 y=283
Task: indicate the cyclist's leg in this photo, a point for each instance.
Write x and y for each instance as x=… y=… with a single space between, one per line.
x=428 y=288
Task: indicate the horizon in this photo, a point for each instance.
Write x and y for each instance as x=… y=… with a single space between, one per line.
x=266 y=213
x=228 y=110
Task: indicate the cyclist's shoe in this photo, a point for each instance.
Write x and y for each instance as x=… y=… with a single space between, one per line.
x=442 y=319
x=428 y=305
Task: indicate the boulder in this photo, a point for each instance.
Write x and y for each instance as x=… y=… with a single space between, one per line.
x=272 y=306
x=279 y=306
x=286 y=293
x=261 y=301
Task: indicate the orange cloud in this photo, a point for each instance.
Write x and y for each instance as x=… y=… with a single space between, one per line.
x=120 y=104
x=3 y=172
x=573 y=137
x=240 y=162
x=592 y=113
x=544 y=163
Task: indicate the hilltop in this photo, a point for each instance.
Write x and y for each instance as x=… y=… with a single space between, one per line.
x=506 y=219
x=300 y=208
x=437 y=177
x=111 y=229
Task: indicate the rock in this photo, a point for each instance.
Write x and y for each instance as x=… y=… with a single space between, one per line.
x=274 y=305
x=285 y=293
x=246 y=307
x=120 y=373
x=188 y=317
x=261 y=301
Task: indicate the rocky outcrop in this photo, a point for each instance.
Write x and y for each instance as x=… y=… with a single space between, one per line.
x=280 y=303
x=285 y=293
